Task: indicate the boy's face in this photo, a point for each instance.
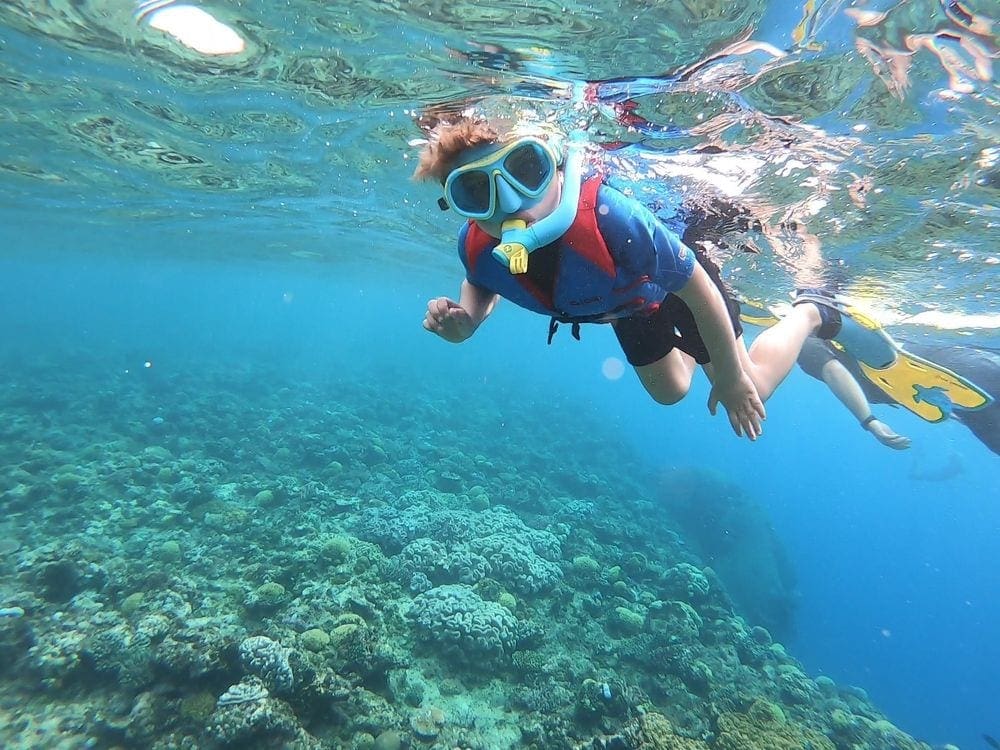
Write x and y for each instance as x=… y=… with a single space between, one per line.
x=494 y=183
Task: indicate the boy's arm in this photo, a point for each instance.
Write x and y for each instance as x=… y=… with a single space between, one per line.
x=732 y=385
x=641 y=243
x=457 y=321
x=477 y=301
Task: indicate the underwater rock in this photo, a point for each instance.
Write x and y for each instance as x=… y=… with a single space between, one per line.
x=653 y=731
x=625 y=620
x=8 y=546
x=760 y=635
x=314 y=639
x=197 y=653
x=170 y=551
x=268 y=659
x=248 y=690
x=732 y=533
x=448 y=481
x=498 y=577
x=60 y=580
x=794 y=687
x=131 y=603
x=261 y=723
x=407 y=687
x=270 y=595
x=121 y=653
x=426 y=723
x=16 y=637
x=464 y=624
x=764 y=727
x=388 y=740
x=861 y=731
x=676 y=619
x=463 y=546
x=146 y=719
x=826 y=686
x=549 y=698
x=684 y=581
x=749 y=650
x=597 y=699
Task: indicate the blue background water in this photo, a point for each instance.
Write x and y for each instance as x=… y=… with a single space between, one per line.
x=119 y=265
x=897 y=576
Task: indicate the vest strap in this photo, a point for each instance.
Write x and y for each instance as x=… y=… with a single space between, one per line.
x=554 y=326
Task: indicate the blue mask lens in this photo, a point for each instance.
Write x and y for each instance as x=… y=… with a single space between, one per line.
x=471 y=193
x=527 y=166
x=530 y=166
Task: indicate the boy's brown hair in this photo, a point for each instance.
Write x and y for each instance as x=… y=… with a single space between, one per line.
x=446 y=140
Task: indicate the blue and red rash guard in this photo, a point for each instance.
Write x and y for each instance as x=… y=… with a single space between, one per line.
x=617 y=260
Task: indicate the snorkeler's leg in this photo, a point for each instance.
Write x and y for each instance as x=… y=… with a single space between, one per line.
x=773 y=353
x=668 y=379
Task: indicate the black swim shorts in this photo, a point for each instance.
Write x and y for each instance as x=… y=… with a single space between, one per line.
x=648 y=338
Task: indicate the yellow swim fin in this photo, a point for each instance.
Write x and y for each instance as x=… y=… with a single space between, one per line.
x=756 y=313
x=927 y=389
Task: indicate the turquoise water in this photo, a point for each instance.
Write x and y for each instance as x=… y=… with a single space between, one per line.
x=214 y=271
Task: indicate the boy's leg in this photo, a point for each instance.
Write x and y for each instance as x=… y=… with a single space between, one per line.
x=773 y=353
x=668 y=379
x=650 y=345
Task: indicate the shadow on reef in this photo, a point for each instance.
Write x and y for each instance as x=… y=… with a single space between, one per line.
x=731 y=533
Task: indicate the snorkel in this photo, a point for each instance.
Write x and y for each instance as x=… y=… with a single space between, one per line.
x=518 y=240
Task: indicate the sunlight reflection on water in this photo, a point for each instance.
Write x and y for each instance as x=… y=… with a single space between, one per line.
x=862 y=142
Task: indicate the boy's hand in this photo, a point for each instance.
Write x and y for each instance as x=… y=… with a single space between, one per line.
x=740 y=399
x=449 y=320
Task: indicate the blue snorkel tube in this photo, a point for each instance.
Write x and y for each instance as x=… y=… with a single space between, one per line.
x=518 y=240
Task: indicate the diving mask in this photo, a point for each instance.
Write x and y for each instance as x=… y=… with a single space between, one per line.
x=506 y=181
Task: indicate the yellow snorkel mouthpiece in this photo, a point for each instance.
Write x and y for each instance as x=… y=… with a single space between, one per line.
x=515 y=253
x=518 y=240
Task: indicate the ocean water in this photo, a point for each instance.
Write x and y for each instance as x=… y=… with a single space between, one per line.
x=213 y=379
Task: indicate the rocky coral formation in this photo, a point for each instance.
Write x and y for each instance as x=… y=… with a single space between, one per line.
x=653 y=731
x=455 y=545
x=466 y=626
x=298 y=567
x=763 y=726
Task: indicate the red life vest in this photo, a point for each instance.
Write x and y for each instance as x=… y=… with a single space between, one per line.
x=589 y=286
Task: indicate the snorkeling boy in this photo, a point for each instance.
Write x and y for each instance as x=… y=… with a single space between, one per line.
x=579 y=251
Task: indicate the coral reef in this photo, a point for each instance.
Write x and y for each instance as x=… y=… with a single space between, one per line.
x=764 y=727
x=466 y=626
x=299 y=567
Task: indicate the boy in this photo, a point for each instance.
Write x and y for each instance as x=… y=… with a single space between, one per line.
x=580 y=251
